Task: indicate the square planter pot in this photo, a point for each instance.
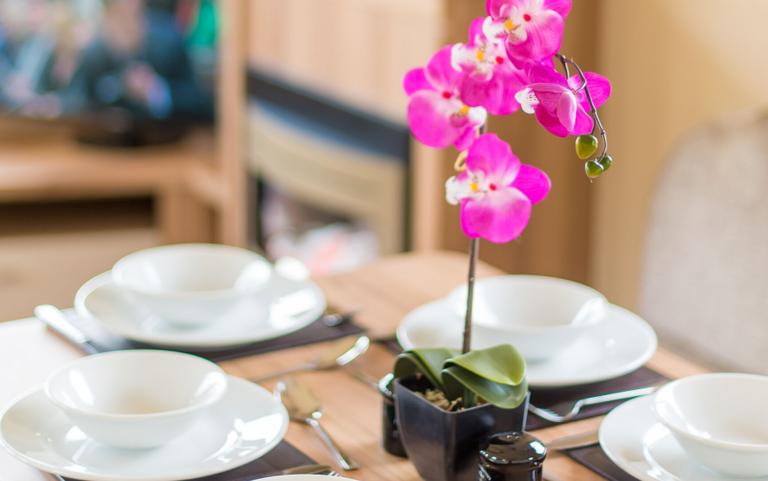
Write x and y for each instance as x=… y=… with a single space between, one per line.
x=442 y=445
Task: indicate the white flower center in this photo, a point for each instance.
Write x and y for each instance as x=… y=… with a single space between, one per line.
x=527 y=100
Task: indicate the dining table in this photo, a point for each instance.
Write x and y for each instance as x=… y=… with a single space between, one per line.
x=380 y=294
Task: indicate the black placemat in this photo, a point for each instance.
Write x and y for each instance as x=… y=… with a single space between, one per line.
x=284 y=456
x=545 y=398
x=596 y=460
x=103 y=341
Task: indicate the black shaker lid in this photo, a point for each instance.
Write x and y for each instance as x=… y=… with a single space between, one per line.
x=513 y=448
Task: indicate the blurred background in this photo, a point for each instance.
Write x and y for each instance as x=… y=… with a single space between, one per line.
x=279 y=124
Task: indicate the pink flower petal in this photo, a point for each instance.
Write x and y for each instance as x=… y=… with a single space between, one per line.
x=465 y=139
x=548 y=95
x=440 y=71
x=496 y=95
x=495 y=7
x=583 y=123
x=562 y=7
x=566 y=109
x=416 y=80
x=599 y=87
x=493 y=157
x=532 y=182
x=550 y=122
x=544 y=73
x=543 y=39
x=430 y=119
x=476 y=35
x=498 y=217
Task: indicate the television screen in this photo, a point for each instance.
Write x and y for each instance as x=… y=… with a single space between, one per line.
x=151 y=59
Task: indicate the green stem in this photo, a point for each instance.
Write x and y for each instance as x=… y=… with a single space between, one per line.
x=466 y=345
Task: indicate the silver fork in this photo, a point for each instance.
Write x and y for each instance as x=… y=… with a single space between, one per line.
x=573 y=409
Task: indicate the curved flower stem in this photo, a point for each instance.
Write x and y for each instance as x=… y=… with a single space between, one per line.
x=565 y=62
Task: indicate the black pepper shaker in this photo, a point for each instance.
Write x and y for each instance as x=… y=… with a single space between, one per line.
x=390 y=435
x=511 y=456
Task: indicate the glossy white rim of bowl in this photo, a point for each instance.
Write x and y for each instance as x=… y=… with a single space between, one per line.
x=454 y=295
x=199 y=294
x=96 y=414
x=701 y=439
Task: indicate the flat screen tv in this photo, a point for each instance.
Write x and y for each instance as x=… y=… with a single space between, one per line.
x=122 y=71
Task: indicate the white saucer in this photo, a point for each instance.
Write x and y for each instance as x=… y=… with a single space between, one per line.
x=632 y=438
x=294 y=304
x=246 y=424
x=623 y=343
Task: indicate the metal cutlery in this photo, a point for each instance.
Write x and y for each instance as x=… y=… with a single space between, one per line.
x=338 y=354
x=304 y=407
x=336 y=319
x=57 y=320
x=564 y=412
x=310 y=469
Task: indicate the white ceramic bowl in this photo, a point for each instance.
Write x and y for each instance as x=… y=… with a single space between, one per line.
x=541 y=316
x=136 y=398
x=191 y=284
x=720 y=420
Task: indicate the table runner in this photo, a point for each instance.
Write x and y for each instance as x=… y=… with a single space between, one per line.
x=595 y=459
x=284 y=456
x=104 y=341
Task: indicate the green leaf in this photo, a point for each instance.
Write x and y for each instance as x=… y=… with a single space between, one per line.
x=428 y=362
x=496 y=374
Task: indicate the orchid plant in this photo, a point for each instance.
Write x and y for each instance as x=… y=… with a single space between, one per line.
x=510 y=62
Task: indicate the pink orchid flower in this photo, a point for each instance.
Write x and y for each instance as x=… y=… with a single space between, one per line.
x=532 y=29
x=496 y=191
x=436 y=114
x=491 y=80
x=560 y=104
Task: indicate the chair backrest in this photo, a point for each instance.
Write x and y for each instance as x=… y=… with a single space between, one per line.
x=705 y=284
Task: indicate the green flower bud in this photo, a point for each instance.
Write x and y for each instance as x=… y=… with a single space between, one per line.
x=606 y=161
x=593 y=169
x=586 y=146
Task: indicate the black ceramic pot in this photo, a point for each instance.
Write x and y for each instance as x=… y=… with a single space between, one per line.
x=442 y=445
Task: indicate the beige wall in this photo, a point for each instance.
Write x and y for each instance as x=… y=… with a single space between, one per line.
x=674 y=65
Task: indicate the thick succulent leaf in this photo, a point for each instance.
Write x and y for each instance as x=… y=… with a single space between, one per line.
x=428 y=362
x=496 y=374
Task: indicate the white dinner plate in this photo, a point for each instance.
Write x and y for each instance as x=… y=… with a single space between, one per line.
x=290 y=306
x=637 y=443
x=246 y=424
x=621 y=344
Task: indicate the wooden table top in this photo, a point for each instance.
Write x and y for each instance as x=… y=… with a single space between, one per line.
x=383 y=292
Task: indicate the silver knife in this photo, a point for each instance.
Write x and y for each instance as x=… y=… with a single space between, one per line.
x=55 y=318
x=573 y=441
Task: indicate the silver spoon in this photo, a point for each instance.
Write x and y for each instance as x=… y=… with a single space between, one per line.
x=338 y=354
x=304 y=407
